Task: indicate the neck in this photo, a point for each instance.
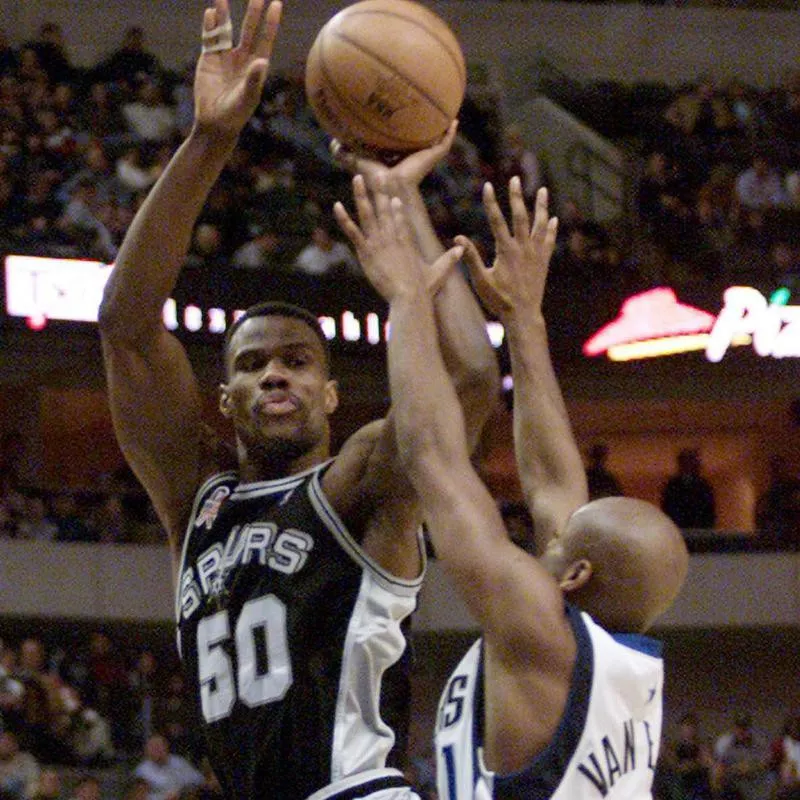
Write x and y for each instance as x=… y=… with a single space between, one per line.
x=278 y=459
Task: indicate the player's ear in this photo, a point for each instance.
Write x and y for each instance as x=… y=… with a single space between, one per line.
x=331 y=396
x=224 y=400
x=576 y=575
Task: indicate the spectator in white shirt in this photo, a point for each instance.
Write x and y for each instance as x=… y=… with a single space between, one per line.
x=166 y=774
x=325 y=255
x=149 y=118
x=760 y=186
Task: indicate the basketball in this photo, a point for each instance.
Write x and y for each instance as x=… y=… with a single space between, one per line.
x=385 y=76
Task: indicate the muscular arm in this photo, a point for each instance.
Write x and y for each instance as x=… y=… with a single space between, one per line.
x=497 y=580
x=469 y=357
x=154 y=398
x=550 y=467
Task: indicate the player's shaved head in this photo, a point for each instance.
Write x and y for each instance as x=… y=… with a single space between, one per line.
x=637 y=557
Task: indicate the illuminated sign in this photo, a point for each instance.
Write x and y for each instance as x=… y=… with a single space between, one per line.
x=655 y=323
x=43 y=289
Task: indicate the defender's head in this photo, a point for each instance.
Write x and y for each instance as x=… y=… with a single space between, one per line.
x=621 y=560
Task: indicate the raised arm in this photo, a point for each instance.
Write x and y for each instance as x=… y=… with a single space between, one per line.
x=551 y=470
x=461 y=325
x=498 y=581
x=155 y=402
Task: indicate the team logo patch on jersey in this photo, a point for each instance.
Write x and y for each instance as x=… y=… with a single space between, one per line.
x=210 y=510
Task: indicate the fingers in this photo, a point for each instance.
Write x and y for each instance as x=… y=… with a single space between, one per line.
x=217 y=28
x=472 y=258
x=345 y=158
x=519 y=212
x=250 y=25
x=540 y=217
x=439 y=271
x=545 y=228
x=551 y=235
x=442 y=147
x=401 y=226
x=270 y=32
x=495 y=216
x=259 y=30
x=348 y=226
x=364 y=207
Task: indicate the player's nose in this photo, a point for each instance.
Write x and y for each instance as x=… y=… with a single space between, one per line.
x=273 y=376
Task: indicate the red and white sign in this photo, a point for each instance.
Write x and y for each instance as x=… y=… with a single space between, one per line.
x=655 y=323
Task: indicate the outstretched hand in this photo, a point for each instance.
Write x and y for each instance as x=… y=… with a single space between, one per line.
x=385 y=246
x=229 y=80
x=409 y=172
x=516 y=280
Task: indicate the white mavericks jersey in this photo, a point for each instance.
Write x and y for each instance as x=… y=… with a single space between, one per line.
x=606 y=743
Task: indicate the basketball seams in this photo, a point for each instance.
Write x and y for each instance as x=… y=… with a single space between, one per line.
x=392 y=69
x=330 y=85
x=446 y=44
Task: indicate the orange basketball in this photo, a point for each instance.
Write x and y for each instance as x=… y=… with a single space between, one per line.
x=385 y=75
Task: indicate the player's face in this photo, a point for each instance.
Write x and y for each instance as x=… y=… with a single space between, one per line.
x=278 y=393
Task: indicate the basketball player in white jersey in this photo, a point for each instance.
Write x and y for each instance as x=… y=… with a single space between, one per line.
x=561 y=695
x=297 y=570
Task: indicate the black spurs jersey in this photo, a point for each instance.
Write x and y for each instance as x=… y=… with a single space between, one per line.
x=293 y=639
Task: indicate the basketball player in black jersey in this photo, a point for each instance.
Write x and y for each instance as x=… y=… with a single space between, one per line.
x=296 y=572
x=558 y=700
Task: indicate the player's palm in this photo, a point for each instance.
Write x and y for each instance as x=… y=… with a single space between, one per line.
x=226 y=92
x=408 y=172
x=228 y=82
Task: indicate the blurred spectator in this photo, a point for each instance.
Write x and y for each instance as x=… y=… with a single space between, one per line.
x=740 y=763
x=517 y=158
x=264 y=251
x=149 y=117
x=72 y=526
x=662 y=203
x=36 y=524
x=144 y=689
x=81 y=220
x=132 y=172
x=760 y=185
x=8 y=56
x=778 y=509
x=19 y=770
x=131 y=62
x=688 y=762
x=786 y=754
x=100 y=116
x=49 y=786
x=107 y=686
x=700 y=110
x=688 y=497
x=51 y=52
x=88 y=787
x=109 y=522
x=602 y=482
x=166 y=773
x=207 y=249
x=97 y=168
x=175 y=714
x=88 y=736
x=12 y=691
x=324 y=255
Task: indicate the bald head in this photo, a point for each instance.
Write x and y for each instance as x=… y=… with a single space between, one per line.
x=621 y=560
